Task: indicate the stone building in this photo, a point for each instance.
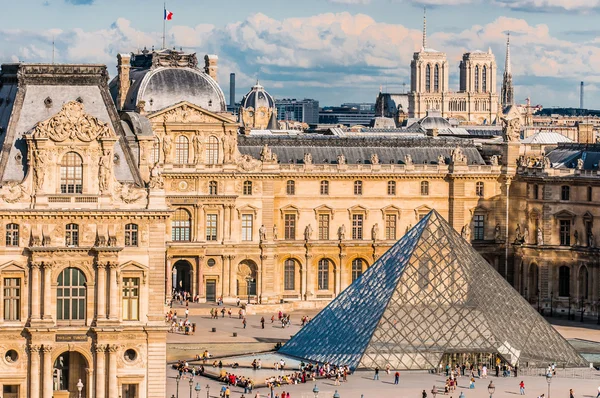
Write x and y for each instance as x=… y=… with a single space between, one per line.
x=257 y=110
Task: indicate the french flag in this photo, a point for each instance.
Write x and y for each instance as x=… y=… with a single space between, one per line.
x=168 y=15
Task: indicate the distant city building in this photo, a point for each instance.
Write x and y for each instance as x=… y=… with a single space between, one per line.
x=392 y=106
x=257 y=110
x=348 y=114
x=306 y=110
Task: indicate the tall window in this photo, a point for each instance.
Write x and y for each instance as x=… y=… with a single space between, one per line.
x=290 y=187
x=182 y=149
x=478 y=226
x=290 y=226
x=536 y=191
x=70 y=295
x=477 y=78
x=358 y=187
x=565 y=192
x=357 y=226
x=71 y=173
x=565 y=232
x=213 y=188
x=247 y=221
x=131 y=299
x=324 y=187
x=131 y=235
x=12 y=299
x=589 y=194
x=211 y=227
x=436 y=79
x=390 y=226
x=72 y=235
x=428 y=78
x=212 y=150
x=323 y=274
x=357 y=268
x=391 y=188
x=484 y=79
x=155 y=154
x=12 y=235
x=564 y=281
x=181 y=226
x=424 y=188
x=247 y=187
x=323 y=226
x=479 y=189
x=289 y=274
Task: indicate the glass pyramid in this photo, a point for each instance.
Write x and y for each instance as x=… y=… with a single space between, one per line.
x=430 y=295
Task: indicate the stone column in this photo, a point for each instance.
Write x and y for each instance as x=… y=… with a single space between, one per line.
x=101 y=291
x=34 y=368
x=100 y=350
x=226 y=224
x=35 y=290
x=199 y=275
x=232 y=279
x=112 y=370
x=47 y=376
x=338 y=276
x=305 y=279
x=225 y=277
x=88 y=388
x=48 y=290
x=169 y=278
x=259 y=277
x=114 y=291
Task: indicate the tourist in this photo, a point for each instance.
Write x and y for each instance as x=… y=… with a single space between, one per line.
x=229 y=312
x=598 y=396
x=272 y=318
x=447 y=369
x=396 y=377
x=461 y=395
x=571 y=393
x=424 y=394
x=244 y=323
x=387 y=368
x=472 y=383
x=376 y=375
x=227 y=392
x=522 y=387
x=484 y=372
x=262 y=322
x=223 y=312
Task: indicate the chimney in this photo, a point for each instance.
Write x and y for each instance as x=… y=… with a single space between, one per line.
x=123 y=67
x=232 y=90
x=585 y=133
x=210 y=65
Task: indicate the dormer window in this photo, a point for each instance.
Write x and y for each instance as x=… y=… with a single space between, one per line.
x=71 y=173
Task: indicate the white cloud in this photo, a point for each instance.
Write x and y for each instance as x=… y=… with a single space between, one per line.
x=350 y=1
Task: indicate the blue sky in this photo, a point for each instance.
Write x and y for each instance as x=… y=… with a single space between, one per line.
x=331 y=50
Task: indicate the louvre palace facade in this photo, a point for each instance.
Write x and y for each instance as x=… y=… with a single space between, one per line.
x=116 y=193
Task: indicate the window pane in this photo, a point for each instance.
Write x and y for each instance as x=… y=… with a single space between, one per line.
x=357 y=226
x=290 y=275
x=212 y=151
x=247 y=221
x=290 y=226
x=390 y=227
x=323 y=226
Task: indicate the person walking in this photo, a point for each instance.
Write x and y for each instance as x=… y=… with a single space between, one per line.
x=571 y=393
x=396 y=377
x=598 y=396
x=376 y=375
x=424 y=394
x=262 y=322
x=244 y=323
x=522 y=387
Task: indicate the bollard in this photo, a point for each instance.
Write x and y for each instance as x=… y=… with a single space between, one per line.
x=234 y=334
x=214 y=330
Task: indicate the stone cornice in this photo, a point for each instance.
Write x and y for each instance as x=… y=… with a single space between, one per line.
x=138 y=214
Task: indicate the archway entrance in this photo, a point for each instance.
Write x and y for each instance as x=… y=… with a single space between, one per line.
x=69 y=368
x=246 y=279
x=182 y=276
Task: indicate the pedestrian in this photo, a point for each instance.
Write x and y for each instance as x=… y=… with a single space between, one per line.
x=227 y=392
x=244 y=323
x=262 y=322
x=571 y=393
x=376 y=375
x=522 y=387
x=461 y=395
x=424 y=394
x=598 y=396
x=387 y=368
x=396 y=377
x=222 y=312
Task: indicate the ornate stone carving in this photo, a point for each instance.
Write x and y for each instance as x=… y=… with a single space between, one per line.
x=262 y=233
x=308 y=232
x=40 y=160
x=342 y=232
x=230 y=145
x=458 y=156
x=130 y=194
x=308 y=158
x=511 y=129
x=267 y=155
x=494 y=160
x=466 y=232
x=540 y=237
x=374 y=159
x=35 y=348
x=167 y=145
x=341 y=159
x=99 y=348
x=441 y=160
x=248 y=163
x=105 y=170
x=408 y=159
x=156 y=179
x=275 y=232
x=197 y=142
x=186 y=114
x=12 y=192
x=375 y=231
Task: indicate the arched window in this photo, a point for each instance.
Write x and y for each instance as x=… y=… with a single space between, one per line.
x=155 y=154
x=247 y=187
x=131 y=235
x=564 y=281
x=357 y=268
x=324 y=187
x=391 y=189
x=181 y=150
x=70 y=295
x=212 y=150
x=72 y=235
x=290 y=187
x=479 y=189
x=428 y=78
x=181 y=226
x=436 y=79
x=289 y=274
x=213 y=188
x=583 y=283
x=477 y=78
x=484 y=79
x=323 y=274
x=424 y=188
x=12 y=235
x=71 y=173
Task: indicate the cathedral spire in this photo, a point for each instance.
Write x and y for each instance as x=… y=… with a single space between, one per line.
x=507 y=62
x=507 y=86
x=424 y=27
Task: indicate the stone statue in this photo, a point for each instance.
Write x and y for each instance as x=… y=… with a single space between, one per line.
x=497 y=232
x=540 y=237
x=591 y=240
x=511 y=129
x=526 y=235
x=156 y=179
x=374 y=159
x=262 y=233
x=341 y=159
x=274 y=232
x=494 y=160
x=466 y=232
x=408 y=159
x=342 y=232
x=308 y=232
x=308 y=158
x=104 y=171
x=231 y=144
x=167 y=146
x=41 y=164
x=375 y=232
x=546 y=164
x=458 y=156
x=266 y=154
x=441 y=160
x=579 y=164
x=197 y=141
x=518 y=235
x=576 y=237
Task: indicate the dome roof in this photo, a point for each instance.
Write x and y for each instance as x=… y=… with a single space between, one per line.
x=257 y=98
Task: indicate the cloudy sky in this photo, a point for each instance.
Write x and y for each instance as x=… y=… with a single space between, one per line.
x=331 y=50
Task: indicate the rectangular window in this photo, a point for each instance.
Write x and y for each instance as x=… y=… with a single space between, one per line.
x=290 y=226
x=129 y=391
x=589 y=194
x=323 y=226
x=479 y=227
x=324 y=187
x=131 y=299
x=247 y=227
x=391 y=190
x=358 y=187
x=565 y=232
x=565 y=192
x=390 y=226
x=536 y=192
x=357 y=226
x=211 y=227
x=12 y=299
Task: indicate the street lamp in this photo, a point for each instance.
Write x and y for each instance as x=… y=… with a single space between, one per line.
x=336 y=395
x=207 y=390
x=79 y=387
x=191 y=385
x=197 y=388
x=316 y=391
x=248 y=281
x=491 y=389
x=177 y=378
x=549 y=381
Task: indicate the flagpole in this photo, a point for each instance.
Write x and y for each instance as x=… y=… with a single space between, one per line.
x=164 y=23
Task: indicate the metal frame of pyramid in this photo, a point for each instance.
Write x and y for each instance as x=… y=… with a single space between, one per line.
x=430 y=294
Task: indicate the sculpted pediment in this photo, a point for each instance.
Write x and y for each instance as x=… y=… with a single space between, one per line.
x=186 y=112
x=71 y=122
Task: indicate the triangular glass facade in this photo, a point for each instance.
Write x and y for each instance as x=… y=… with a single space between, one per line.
x=430 y=296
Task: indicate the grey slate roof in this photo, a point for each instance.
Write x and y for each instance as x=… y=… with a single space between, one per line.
x=545 y=137
x=566 y=156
